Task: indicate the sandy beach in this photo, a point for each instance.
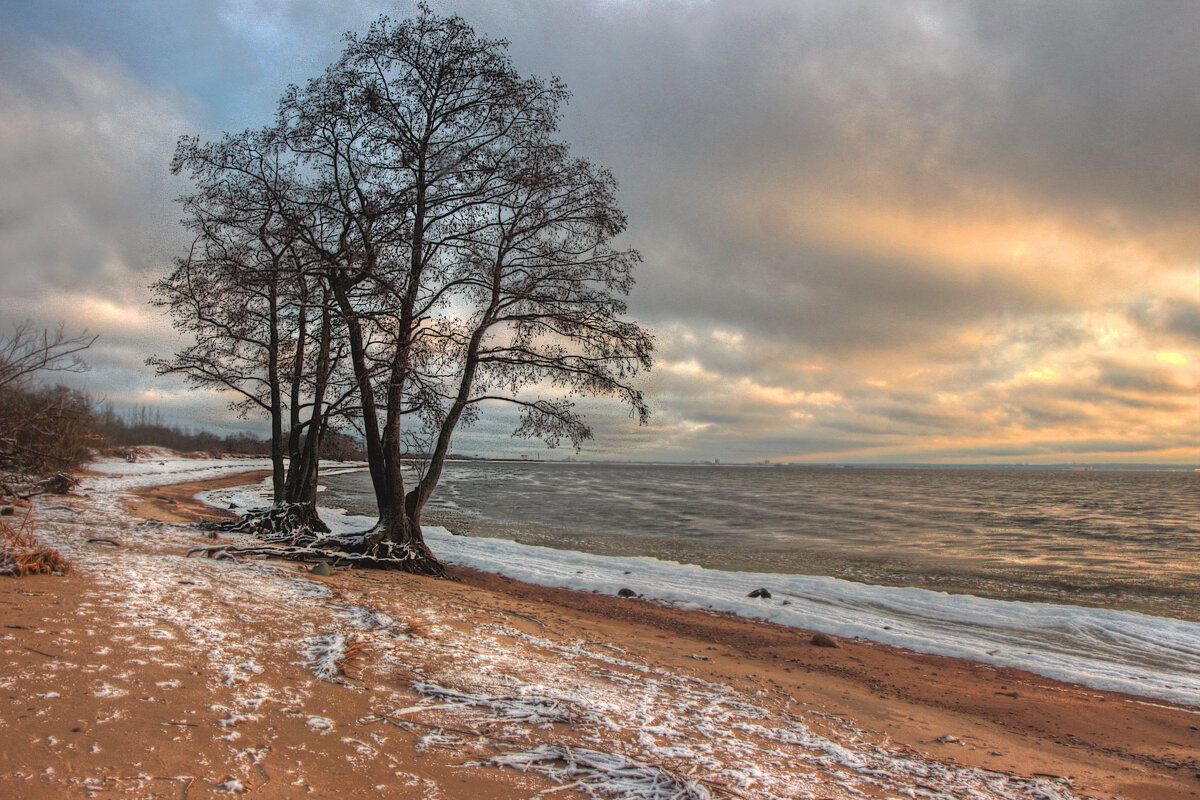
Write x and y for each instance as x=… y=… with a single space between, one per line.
x=144 y=673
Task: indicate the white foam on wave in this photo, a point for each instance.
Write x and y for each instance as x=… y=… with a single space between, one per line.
x=1101 y=648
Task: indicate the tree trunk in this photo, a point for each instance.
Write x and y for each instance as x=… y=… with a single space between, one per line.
x=397 y=537
x=304 y=468
x=366 y=394
x=278 y=476
x=297 y=377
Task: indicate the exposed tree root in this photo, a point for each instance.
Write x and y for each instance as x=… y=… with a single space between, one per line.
x=276 y=523
x=286 y=534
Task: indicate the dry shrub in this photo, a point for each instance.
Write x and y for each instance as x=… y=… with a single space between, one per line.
x=355 y=651
x=20 y=553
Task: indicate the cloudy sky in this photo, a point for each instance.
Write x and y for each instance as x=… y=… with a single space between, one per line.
x=908 y=230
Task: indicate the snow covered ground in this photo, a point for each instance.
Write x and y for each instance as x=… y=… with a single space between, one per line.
x=1108 y=649
x=586 y=716
x=121 y=475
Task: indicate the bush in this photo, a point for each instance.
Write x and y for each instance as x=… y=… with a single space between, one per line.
x=44 y=429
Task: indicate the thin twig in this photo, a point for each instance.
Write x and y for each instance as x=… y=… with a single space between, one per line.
x=403 y=723
x=40 y=653
x=266 y=777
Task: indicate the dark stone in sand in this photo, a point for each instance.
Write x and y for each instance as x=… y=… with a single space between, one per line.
x=322 y=569
x=824 y=640
x=626 y=593
x=763 y=593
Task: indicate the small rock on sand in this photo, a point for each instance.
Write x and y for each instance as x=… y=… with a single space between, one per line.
x=322 y=569
x=824 y=640
x=763 y=593
x=623 y=592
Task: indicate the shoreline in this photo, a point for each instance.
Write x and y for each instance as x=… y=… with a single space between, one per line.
x=1121 y=651
x=1170 y=596
x=985 y=692
x=176 y=502
x=949 y=710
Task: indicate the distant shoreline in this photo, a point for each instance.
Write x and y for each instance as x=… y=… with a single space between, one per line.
x=1064 y=467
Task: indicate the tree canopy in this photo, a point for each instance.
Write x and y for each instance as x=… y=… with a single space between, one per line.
x=407 y=244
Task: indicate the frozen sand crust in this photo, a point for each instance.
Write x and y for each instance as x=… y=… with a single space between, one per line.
x=1109 y=649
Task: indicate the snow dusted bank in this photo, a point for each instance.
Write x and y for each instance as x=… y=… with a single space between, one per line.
x=437 y=674
x=1123 y=651
x=148 y=673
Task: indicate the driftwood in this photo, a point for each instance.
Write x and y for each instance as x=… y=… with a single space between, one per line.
x=25 y=488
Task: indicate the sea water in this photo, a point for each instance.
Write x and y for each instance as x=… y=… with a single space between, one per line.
x=1120 y=539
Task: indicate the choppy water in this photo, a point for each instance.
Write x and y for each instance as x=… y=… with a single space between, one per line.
x=1121 y=539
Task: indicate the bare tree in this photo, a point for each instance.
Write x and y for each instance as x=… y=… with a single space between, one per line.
x=464 y=258
x=30 y=350
x=247 y=295
x=545 y=284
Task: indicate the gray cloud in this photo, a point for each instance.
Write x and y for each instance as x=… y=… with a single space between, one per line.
x=86 y=201
x=867 y=226
x=1173 y=317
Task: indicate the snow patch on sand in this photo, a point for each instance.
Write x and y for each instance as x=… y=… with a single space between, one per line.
x=1123 y=651
x=1103 y=648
